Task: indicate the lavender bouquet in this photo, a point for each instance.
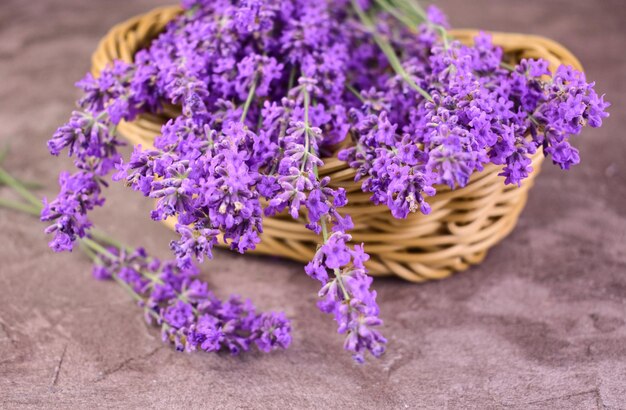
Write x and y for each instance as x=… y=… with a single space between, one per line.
x=267 y=89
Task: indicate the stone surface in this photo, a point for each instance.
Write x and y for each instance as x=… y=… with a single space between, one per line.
x=540 y=324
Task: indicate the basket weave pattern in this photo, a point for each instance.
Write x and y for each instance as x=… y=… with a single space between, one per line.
x=463 y=224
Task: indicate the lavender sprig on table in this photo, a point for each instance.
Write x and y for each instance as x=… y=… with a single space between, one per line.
x=268 y=88
x=174 y=299
x=189 y=315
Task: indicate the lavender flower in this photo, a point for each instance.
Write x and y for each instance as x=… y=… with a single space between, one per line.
x=189 y=315
x=80 y=193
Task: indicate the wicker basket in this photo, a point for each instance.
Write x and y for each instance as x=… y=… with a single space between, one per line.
x=463 y=224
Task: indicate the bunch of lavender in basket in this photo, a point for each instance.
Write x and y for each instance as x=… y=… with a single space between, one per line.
x=268 y=88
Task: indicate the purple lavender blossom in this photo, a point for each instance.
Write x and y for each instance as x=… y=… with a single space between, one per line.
x=189 y=315
x=79 y=194
x=194 y=244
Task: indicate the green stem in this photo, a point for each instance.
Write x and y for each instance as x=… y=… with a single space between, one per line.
x=387 y=49
x=307 y=102
x=355 y=92
x=7 y=179
x=127 y=288
x=93 y=249
x=101 y=250
x=412 y=7
x=385 y=5
x=416 y=14
x=292 y=78
x=97 y=247
x=307 y=152
x=100 y=236
x=30 y=184
x=346 y=295
x=18 y=206
x=507 y=66
x=307 y=127
x=246 y=106
x=88 y=251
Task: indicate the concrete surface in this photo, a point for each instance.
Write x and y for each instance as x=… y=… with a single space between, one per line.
x=540 y=324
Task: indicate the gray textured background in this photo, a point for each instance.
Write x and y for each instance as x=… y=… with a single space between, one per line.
x=540 y=324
